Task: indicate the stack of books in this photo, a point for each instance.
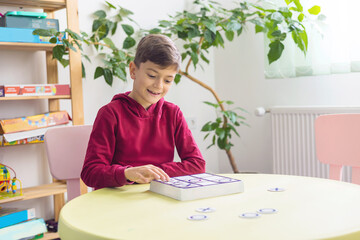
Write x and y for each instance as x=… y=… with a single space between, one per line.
x=16 y=223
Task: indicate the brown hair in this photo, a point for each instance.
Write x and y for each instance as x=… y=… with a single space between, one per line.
x=158 y=49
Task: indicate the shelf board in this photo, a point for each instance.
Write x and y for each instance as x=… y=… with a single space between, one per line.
x=47 y=5
x=35 y=97
x=50 y=235
x=38 y=192
x=27 y=46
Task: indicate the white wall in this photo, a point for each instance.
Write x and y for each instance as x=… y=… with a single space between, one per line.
x=239 y=76
x=17 y=67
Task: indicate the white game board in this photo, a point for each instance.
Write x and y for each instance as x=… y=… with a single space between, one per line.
x=197 y=186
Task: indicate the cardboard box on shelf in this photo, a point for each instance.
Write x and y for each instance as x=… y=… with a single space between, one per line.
x=36 y=90
x=29 y=22
x=34 y=122
x=29 y=140
x=23 y=35
x=11 y=90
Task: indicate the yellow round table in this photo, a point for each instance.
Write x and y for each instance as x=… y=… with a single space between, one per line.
x=309 y=208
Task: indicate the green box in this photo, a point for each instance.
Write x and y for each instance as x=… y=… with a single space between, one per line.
x=29 y=22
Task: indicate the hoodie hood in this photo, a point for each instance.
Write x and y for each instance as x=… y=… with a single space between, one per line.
x=136 y=108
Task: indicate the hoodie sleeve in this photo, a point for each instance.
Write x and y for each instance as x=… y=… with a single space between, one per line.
x=97 y=170
x=192 y=161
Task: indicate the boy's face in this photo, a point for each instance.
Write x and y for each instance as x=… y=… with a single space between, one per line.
x=151 y=82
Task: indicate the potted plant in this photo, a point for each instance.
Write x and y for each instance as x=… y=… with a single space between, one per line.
x=197 y=31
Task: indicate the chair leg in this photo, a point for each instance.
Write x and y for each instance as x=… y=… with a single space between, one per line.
x=355 y=175
x=335 y=172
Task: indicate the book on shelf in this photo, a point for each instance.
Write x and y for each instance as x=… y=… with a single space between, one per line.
x=11 y=216
x=197 y=186
x=24 y=230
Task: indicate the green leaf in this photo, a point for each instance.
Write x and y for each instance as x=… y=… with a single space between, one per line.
x=83 y=73
x=110 y=5
x=315 y=10
x=219 y=40
x=211 y=104
x=206 y=127
x=259 y=29
x=129 y=42
x=229 y=102
x=276 y=49
x=233 y=129
x=233 y=25
x=164 y=23
x=300 y=38
x=301 y=17
x=177 y=78
x=155 y=31
x=64 y=62
x=129 y=30
x=204 y=58
x=194 y=58
x=114 y=28
x=288 y=2
x=42 y=32
x=53 y=40
x=108 y=76
x=58 y=52
x=209 y=36
x=120 y=72
x=183 y=56
x=109 y=42
x=229 y=35
x=276 y=16
x=298 y=5
x=221 y=143
x=206 y=135
x=210 y=24
x=100 y=14
x=96 y=25
x=220 y=132
x=98 y=72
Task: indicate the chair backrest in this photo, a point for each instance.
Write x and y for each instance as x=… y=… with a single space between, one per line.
x=66 y=149
x=337 y=140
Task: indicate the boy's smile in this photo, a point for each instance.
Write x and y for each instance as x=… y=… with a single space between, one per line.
x=151 y=82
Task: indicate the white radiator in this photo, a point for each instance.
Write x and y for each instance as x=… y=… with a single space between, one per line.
x=293 y=140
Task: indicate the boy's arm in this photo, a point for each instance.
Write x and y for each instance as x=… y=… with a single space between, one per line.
x=97 y=170
x=192 y=161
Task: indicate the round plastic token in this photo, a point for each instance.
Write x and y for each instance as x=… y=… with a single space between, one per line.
x=249 y=215
x=267 y=210
x=205 y=210
x=197 y=217
x=276 y=189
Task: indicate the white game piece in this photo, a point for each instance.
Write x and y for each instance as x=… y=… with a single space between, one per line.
x=197 y=217
x=267 y=210
x=205 y=210
x=197 y=186
x=276 y=189
x=249 y=215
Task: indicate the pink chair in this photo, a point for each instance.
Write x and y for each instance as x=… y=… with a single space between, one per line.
x=66 y=148
x=337 y=139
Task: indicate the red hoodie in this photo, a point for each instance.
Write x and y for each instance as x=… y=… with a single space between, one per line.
x=126 y=135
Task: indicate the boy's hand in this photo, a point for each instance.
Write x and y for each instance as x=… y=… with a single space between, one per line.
x=145 y=174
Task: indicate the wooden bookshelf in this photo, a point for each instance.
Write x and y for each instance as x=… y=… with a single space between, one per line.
x=35 y=97
x=38 y=192
x=55 y=189
x=26 y=46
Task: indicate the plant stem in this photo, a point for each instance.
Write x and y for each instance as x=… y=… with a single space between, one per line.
x=228 y=152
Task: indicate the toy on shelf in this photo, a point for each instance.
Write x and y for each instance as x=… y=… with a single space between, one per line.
x=8 y=187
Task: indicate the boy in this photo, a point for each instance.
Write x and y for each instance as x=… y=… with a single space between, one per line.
x=134 y=136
